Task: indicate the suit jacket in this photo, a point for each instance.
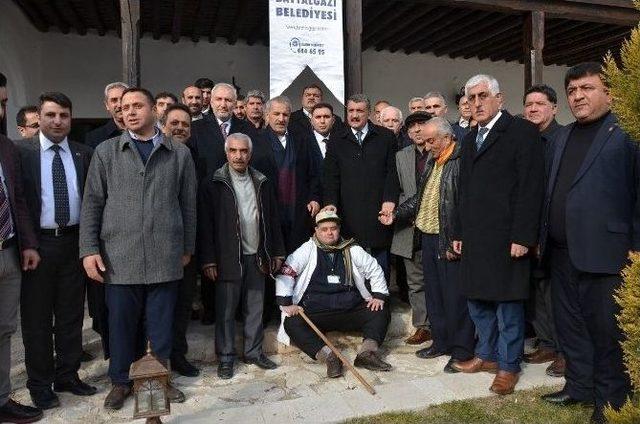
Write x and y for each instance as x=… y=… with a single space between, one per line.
x=100 y=134
x=603 y=203
x=501 y=191
x=358 y=179
x=402 y=244
x=30 y=157
x=12 y=170
x=298 y=121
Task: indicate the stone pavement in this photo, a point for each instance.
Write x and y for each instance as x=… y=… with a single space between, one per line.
x=297 y=391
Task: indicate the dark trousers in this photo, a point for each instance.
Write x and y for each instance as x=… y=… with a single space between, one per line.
x=53 y=292
x=207 y=296
x=373 y=325
x=585 y=315
x=383 y=257
x=539 y=313
x=500 y=327
x=451 y=326
x=129 y=306
x=184 y=303
x=249 y=293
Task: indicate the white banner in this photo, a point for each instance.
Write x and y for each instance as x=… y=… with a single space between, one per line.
x=306 y=33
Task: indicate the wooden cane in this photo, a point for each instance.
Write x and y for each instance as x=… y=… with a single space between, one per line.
x=338 y=354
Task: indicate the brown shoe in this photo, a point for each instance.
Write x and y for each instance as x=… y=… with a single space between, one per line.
x=540 y=356
x=334 y=366
x=116 y=397
x=556 y=368
x=421 y=335
x=475 y=365
x=504 y=383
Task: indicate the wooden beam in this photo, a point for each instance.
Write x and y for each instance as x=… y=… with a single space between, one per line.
x=489 y=36
x=130 y=20
x=214 y=21
x=257 y=31
x=418 y=29
x=33 y=14
x=197 y=21
x=453 y=30
x=353 y=11
x=392 y=33
x=97 y=17
x=497 y=20
x=429 y=32
x=157 y=20
x=58 y=19
x=445 y=29
x=238 y=22
x=176 y=24
x=378 y=11
x=390 y=21
x=570 y=43
x=503 y=51
x=532 y=45
x=76 y=19
x=577 y=50
x=573 y=27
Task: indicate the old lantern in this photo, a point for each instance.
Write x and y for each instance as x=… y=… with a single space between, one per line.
x=150 y=380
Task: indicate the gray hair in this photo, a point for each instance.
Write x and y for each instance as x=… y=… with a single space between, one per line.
x=491 y=82
x=227 y=86
x=443 y=127
x=111 y=86
x=360 y=98
x=437 y=95
x=238 y=136
x=391 y=109
x=416 y=99
x=280 y=100
x=256 y=94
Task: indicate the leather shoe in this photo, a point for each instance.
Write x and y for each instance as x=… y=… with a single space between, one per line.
x=45 y=399
x=174 y=395
x=598 y=417
x=504 y=382
x=75 y=386
x=183 y=367
x=334 y=366
x=13 y=412
x=262 y=361
x=562 y=398
x=371 y=361
x=116 y=397
x=540 y=356
x=556 y=368
x=86 y=356
x=476 y=365
x=420 y=336
x=428 y=353
x=449 y=369
x=225 y=370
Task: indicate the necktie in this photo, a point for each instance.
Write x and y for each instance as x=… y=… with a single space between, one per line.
x=223 y=128
x=6 y=227
x=359 y=137
x=480 y=137
x=60 y=190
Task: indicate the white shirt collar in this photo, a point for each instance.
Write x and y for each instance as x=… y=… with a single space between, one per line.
x=320 y=137
x=157 y=137
x=364 y=131
x=308 y=114
x=491 y=123
x=282 y=138
x=463 y=122
x=46 y=144
x=228 y=122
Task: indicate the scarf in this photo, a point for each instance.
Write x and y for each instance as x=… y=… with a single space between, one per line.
x=286 y=162
x=344 y=247
x=446 y=154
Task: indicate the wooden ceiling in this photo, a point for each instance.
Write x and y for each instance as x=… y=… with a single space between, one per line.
x=575 y=30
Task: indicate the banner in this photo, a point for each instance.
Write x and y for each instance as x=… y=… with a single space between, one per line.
x=306 y=33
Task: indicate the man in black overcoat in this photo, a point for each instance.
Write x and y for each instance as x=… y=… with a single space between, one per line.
x=501 y=186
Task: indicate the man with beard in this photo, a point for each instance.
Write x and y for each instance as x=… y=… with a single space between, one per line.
x=27 y=121
x=205 y=85
x=240 y=111
x=163 y=100
x=192 y=98
x=176 y=123
x=255 y=108
x=113 y=128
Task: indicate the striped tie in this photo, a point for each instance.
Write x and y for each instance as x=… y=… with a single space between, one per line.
x=60 y=189
x=6 y=226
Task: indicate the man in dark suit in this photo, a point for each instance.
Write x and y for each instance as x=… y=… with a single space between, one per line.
x=501 y=183
x=322 y=122
x=590 y=224
x=360 y=180
x=54 y=171
x=301 y=118
x=18 y=244
x=113 y=128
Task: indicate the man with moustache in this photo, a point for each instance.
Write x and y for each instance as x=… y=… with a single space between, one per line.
x=301 y=119
x=416 y=104
x=322 y=120
x=137 y=233
x=464 y=123
x=176 y=124
x=163 y=100
x=205 y=85
x=192 y=98
x=255 y=108
x=240 y=111
x=114 y=127
x=27 y=121
x=391 y=118
x=435 y=104
x=377 y=110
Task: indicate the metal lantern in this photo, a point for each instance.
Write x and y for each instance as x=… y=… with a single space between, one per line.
x=150 y=383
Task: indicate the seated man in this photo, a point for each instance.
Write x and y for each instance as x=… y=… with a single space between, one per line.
x=325 y=277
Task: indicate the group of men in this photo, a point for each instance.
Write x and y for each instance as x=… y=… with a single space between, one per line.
x=496 y=220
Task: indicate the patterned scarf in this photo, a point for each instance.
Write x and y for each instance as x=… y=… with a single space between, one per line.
x=344 y=247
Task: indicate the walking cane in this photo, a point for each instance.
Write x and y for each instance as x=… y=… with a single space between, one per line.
x=338 y=354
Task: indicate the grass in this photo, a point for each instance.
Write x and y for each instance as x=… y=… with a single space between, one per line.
x=522 y=407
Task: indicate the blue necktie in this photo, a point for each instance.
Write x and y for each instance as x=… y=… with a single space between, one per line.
x=60 y=190
x=359 y=137
x=482 y=131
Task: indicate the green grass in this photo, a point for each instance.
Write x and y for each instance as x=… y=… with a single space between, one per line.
x=522 y=407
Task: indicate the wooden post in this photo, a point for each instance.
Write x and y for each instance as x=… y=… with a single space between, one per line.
x=130 y=19
x=353 y=62
x=533 y=44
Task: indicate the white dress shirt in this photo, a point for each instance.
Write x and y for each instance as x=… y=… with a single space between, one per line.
x=227 y=125
x=48 y=212
x=283 y=140
x=490 y=124
x=364 y=131
x=322 y=144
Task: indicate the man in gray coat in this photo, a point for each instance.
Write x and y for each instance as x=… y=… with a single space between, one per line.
x=137 y=232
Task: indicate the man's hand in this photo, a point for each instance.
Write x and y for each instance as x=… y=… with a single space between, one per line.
x=518 y=251
x=291 y=310
x=30 y=259
x=185 y=260
x=457 y=247
x=386 y=219
x=276 y=263
x=210 y=271
x=375 y=304
x=313 y=207
x=93 y=266
x=387 y=208
x=331 y=208
x=451 y=256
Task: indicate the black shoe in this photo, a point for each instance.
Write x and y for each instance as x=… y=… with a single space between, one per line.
x=563 y=399
x=225 y=370
x=262 y=361
x=116 y=397
x=13 y=412
x=183 y=367
x=449 y=367
x=45 y=399
x=428 y=353
x=86 y=357
x=371 y=361
x=75 y=386
x=334 y=366
x=598 y=417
